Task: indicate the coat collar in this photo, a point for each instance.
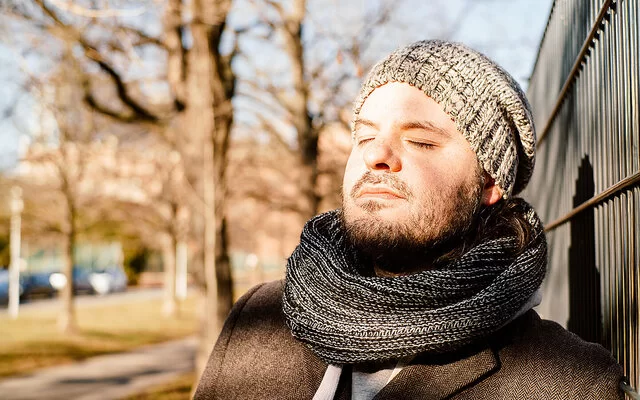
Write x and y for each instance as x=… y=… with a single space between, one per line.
x=441 y=378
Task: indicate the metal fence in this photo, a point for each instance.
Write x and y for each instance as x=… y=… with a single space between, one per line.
x=585 y=95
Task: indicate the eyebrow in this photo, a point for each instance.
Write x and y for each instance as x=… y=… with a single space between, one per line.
x=405 y=125
x=359 y=122
x=425 y=126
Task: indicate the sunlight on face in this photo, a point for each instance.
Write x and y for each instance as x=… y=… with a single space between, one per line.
x=412 y=179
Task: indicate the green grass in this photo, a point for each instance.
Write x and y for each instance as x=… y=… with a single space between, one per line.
x=32 y=341
x=178 y=389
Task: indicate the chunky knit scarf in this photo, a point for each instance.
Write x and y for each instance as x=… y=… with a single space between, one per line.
x=345 y=317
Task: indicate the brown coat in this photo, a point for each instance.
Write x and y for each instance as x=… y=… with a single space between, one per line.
x=257 y=358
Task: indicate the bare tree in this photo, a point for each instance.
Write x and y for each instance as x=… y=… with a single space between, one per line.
x=209 y=84
x=194 y=117
x=67 y=132
x=155 y=211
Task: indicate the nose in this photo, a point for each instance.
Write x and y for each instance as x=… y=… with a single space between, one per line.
x=381 y=155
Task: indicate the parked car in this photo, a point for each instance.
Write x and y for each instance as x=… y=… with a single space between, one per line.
x=4 y=286
x=108 y=280
x=37 y=284
x=32 y=284
x=85 y=280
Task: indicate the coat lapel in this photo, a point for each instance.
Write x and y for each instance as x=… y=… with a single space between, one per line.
x=439 y=379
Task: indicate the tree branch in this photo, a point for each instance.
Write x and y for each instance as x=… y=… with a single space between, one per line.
x=92 y=13
x=141 y=113
x=270 y=106
x=274 y=133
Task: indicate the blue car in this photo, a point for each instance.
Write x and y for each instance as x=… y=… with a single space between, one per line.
x=93 y=281
x=37 y=284
x=4 y=286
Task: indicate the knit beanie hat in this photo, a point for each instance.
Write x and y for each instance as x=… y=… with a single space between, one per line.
x=485 y=102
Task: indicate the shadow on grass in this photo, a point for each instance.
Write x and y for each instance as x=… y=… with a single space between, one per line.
x=111 y=380
x=53 y=349
x=24 y=358
x=127 y=338
x=35 y=355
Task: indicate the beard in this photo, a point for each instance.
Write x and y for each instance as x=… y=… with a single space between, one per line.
x=430 y=235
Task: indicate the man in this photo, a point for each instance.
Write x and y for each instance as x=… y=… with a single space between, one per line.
x=422 y=285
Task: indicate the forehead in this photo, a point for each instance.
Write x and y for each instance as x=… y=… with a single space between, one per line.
x=402 y=103
x=397 y=95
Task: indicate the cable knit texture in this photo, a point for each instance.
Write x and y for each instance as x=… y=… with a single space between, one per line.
x=487 y=105
x=346 y=317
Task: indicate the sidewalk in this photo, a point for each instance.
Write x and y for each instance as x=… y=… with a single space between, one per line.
x=105 y=377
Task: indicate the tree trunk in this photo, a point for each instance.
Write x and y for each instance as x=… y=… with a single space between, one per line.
x=223 y=273
x=202 y=79
x=173 y=36
x=181 y=270
x=67 y=317
x=299 y=108
x=200 y=114
x=210 y=324
x=169 y=305
x=309 y=173
x=223 y=81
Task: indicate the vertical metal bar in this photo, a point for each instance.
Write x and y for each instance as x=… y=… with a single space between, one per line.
x=577 y=102
x=634 y=73
x=617 y=167
x=593 y=151
x=635 y=85
x=626 y=170
x=605 y=181
x=635 y=287
x=587 y=139
x=624 y=82
x=598 y=131
x=608 y=33
x=635 y=95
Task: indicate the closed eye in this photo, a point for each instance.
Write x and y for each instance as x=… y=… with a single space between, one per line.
x=421 y=145
x=364 y=140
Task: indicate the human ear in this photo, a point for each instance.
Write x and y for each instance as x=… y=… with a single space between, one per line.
x=491 y=193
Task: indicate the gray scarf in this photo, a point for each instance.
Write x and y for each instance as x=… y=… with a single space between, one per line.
x=345 y=317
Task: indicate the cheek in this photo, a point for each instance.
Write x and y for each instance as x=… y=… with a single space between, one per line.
x=443 y=177
x=352 y=172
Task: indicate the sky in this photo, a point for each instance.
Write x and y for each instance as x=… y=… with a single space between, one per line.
x=508 y=31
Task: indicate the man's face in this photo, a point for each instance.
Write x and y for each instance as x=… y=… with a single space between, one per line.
x=412 y=179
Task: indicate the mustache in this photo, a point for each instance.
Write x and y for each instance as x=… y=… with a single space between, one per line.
x=386 y=179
